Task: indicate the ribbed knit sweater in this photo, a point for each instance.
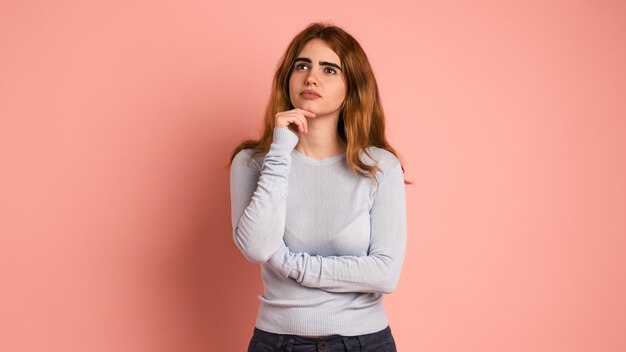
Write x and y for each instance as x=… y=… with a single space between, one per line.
x=329 y=241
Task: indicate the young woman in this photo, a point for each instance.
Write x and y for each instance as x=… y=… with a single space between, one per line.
x=319 y=202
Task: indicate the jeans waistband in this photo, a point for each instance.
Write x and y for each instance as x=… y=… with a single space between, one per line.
x=274 y=338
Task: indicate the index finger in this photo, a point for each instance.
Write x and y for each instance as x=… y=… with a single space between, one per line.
x=306 y=112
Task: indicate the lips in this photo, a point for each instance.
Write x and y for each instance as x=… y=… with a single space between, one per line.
x=309 y=93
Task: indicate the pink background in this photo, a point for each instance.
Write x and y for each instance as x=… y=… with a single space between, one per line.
x=117 y=118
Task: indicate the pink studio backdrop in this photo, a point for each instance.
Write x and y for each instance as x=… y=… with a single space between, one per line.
x=118 y=117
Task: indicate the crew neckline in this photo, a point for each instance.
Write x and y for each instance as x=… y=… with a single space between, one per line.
x=323 y=161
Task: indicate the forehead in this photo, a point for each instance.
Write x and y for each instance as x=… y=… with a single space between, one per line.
x=318 y=50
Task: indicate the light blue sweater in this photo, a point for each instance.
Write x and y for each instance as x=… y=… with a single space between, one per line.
x=330 y=242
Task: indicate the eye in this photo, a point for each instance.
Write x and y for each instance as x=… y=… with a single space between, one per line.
x=331 y=69
x=299 y=65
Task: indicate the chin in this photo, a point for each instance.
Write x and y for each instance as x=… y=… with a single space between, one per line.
x=308 y=107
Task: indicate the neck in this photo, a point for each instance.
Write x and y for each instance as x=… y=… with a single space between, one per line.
x=323 y=140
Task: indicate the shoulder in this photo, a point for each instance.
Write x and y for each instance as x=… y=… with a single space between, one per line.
x=389 y=166
x=245 y=159
x=381 y=157
x=390 y=170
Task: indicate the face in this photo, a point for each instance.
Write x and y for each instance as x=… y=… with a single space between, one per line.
x=317 y=67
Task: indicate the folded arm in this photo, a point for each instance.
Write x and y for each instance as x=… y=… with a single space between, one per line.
x=379 y=271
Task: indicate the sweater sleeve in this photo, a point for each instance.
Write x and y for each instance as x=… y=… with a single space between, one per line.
x=258 y=201
x=378 y=271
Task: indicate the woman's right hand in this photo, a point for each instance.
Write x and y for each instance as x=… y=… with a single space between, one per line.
x=294 y=119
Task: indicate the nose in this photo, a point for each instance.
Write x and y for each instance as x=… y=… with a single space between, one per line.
x=310 y=78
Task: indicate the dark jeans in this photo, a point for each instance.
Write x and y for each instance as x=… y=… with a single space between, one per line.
x=263 y=341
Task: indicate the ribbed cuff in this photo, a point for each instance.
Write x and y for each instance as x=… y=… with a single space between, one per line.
x=276 y=261
x=284 y=138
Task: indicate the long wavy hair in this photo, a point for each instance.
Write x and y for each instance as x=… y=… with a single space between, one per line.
x=361 y=119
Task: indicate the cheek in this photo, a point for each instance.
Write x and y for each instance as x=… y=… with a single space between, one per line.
x=290 y=87
x=340 y=92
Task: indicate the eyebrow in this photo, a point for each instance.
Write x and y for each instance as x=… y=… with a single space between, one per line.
x=322 y=63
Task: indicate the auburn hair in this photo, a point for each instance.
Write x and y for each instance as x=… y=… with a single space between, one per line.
x=361 y=119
